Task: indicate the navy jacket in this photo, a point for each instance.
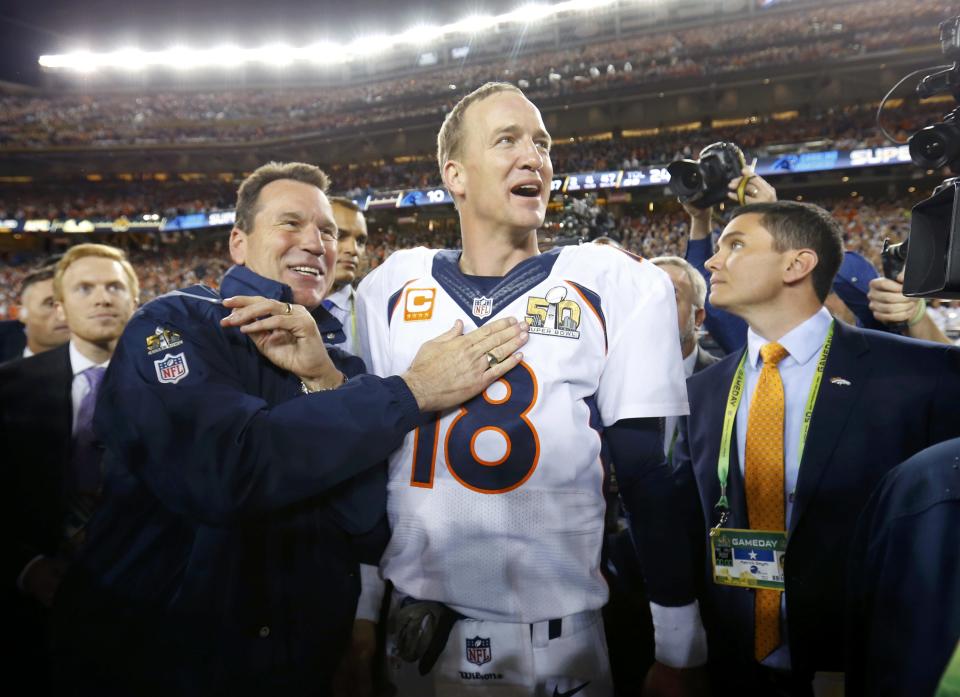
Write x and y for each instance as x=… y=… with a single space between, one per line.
x=903 y=619
x=892 y=398
x=224 y=556
x=12 y=340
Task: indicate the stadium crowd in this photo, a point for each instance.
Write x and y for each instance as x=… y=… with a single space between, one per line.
x=809 y=35
x=174 y=260
x=841 y=128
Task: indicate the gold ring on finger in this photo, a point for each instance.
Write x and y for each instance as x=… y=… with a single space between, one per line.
x=288 y=309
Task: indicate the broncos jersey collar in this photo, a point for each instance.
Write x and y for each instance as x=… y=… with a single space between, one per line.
x=521 y=278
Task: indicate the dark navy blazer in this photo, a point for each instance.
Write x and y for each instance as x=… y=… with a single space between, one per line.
x=893 y=397
x=12 y=340
x=903 y=618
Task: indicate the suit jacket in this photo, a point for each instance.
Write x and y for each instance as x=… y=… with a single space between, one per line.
x=903 y=618
x=705 y=359
x=883 y=398
x=35 y=424
x=12 y=340
x=36 y=413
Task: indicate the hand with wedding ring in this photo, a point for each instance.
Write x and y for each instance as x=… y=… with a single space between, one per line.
x=286 y=335
x=454 y=367
x=750 y=188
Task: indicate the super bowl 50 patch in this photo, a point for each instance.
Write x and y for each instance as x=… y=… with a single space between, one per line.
x=554 y=314
x=162 y=340
x=172 y=368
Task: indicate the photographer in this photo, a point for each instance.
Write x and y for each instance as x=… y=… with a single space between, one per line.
x=729 y=331
x=889 y=305
x=849 y=299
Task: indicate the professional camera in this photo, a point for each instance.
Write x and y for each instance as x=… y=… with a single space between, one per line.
x=703 y=182
x=931 y=254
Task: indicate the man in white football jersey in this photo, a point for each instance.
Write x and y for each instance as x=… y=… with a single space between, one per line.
x=497 y=508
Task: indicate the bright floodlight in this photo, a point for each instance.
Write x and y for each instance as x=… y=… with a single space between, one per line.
x=324 y=53
x=419 y=35
x=473 y=24
x=228 y=56
x=529 y=13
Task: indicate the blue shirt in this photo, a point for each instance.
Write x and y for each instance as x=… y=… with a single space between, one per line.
x=803 y=342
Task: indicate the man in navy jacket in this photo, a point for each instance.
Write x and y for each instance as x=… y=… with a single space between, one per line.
x=903 y=618
x=243 y=475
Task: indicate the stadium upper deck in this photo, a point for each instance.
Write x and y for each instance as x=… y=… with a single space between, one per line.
x=600 y=62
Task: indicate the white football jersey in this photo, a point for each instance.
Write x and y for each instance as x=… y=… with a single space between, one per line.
x=497 y=508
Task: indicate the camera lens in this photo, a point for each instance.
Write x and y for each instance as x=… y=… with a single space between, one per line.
x=935 y=146
x=685 y=179
x=690 y=179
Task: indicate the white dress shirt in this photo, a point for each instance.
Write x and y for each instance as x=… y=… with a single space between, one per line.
x=344 y=309
x=80 y=388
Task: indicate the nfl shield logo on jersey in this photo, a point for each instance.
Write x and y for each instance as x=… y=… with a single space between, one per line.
x=171 y=368
x=478 y=650
x=482 y=307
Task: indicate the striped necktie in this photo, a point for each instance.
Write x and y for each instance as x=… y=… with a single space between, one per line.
x=763 y=475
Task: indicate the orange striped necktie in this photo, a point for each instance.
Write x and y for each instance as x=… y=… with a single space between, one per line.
x=763 y=475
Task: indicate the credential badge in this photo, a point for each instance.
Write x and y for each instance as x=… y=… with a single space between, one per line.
x=172 y=368
x=482 y=307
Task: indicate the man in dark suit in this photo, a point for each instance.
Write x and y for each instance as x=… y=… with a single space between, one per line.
x=12 y=340
x=802 y=475
x=50 y=469
x=38 y=328
x=903 y=618
x=627 y=621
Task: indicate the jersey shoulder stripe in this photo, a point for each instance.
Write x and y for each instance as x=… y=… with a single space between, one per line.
x=593 y=302
x=394 y=299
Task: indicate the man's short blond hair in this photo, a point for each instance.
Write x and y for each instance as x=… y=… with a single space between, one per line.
x=450 y=138
x=104 y=251
x=697 y=281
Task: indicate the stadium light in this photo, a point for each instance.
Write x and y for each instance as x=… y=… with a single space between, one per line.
x=529 y=13
x=367 y=46
x=419 y=35
x=183 y=58
x=471 y=25
x=228 y=56
x=323 y=53
x=276 y=54
x=581 y=5
x=132 y=59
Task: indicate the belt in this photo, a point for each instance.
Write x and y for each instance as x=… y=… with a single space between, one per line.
x=547 y=630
